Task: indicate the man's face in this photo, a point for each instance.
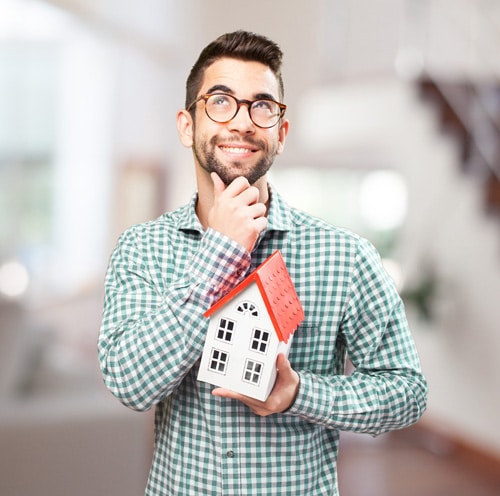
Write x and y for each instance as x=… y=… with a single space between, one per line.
x=238 y=147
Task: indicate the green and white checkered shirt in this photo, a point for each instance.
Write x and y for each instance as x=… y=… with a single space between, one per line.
x=166 y=273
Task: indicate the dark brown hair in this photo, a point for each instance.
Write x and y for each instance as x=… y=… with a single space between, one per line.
x=242 y=45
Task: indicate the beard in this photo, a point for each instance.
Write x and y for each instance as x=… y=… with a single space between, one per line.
x=204 y=152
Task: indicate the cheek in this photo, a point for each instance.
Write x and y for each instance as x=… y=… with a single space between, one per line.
x=205 y=132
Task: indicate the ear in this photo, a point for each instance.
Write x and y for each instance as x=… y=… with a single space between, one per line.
x=185 y=128
x=282 y=133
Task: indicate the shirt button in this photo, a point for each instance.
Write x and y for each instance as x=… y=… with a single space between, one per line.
x=230 y=454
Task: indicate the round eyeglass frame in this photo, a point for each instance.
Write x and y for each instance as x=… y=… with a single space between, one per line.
x=239 y=103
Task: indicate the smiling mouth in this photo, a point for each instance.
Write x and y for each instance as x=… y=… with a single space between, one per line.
x=236 y=149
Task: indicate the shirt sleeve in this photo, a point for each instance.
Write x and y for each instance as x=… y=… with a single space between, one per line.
x=151 y=337
x=387 y=389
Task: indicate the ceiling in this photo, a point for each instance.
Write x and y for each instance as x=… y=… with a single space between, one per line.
x=330 y=39
x=327 y=43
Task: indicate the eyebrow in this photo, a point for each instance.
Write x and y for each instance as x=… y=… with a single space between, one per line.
x=220 y=87
x=225 y=89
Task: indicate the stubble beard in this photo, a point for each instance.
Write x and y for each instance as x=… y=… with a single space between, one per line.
x=204 y=152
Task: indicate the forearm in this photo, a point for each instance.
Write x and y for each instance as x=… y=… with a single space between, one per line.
x=373 y=402
x=387 y=389
x=151 y=338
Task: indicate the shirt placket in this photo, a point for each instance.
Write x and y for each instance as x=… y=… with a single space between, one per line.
x=230 y=449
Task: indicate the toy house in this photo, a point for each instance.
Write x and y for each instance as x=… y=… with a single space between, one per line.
x=248 y=328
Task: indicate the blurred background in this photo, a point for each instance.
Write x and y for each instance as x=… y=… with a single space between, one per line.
x=395 y=134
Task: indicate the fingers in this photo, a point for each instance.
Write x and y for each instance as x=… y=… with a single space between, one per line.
x=219 y=185
x=257 y=407
x=282 y=396
x=237 y=211
x=237 y=186
x=240 y=187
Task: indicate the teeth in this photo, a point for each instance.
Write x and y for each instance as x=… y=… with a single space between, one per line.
x=234 y=149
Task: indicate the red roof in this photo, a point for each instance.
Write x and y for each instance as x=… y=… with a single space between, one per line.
x=278 y=293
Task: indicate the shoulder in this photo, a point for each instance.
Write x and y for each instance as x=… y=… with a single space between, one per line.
x=160 y=231
x=312 y=227
x=329 y=247
x=152 y=229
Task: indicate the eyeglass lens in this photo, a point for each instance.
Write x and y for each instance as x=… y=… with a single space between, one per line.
x=223 y=108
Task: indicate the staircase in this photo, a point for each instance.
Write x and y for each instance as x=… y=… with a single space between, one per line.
x=454 y=181
x=470 y=112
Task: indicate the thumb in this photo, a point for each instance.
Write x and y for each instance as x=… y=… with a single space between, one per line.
x=283 y=365
x=219 y=185
x=287 y=382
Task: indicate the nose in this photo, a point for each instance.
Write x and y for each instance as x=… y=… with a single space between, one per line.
x=242 y=122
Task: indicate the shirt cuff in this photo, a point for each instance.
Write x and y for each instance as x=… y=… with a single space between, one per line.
x=313 y=400
x=219 y=265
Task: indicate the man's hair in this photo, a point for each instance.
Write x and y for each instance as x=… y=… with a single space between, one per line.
x=241 y=45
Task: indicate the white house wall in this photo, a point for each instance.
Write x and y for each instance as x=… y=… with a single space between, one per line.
x=239 y=350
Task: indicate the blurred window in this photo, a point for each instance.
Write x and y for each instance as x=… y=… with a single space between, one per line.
x=28 y=99
x=371 y=203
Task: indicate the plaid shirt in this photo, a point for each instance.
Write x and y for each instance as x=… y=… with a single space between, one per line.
x=165 y=274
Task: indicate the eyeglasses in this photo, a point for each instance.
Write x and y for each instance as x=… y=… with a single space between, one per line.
x=222 y=108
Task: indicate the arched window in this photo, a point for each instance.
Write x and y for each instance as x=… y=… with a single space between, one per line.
x=248 y=308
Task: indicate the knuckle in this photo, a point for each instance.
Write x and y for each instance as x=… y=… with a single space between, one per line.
x=241 y=181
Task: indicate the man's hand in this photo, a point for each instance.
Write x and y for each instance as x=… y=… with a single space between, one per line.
x=237 y=212
x=282 y=396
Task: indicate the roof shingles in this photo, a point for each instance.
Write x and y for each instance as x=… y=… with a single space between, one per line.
x=278 y=293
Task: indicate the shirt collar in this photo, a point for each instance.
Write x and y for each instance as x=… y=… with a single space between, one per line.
x=279 y=216
x=187 y=220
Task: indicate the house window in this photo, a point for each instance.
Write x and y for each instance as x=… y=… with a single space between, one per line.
x=260 y=340
x=225 y=330
x=218 y=361
x=248 y=308
x=252 y=372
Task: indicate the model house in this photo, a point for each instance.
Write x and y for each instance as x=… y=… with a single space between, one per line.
x=248 y=328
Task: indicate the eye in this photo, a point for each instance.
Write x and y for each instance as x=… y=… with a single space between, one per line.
x=219 y=100
x=265 y=106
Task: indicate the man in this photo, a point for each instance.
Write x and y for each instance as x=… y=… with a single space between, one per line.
x=165 y=274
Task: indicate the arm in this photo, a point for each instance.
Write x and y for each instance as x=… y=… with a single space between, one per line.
x=152 y=335
x=387 y=390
